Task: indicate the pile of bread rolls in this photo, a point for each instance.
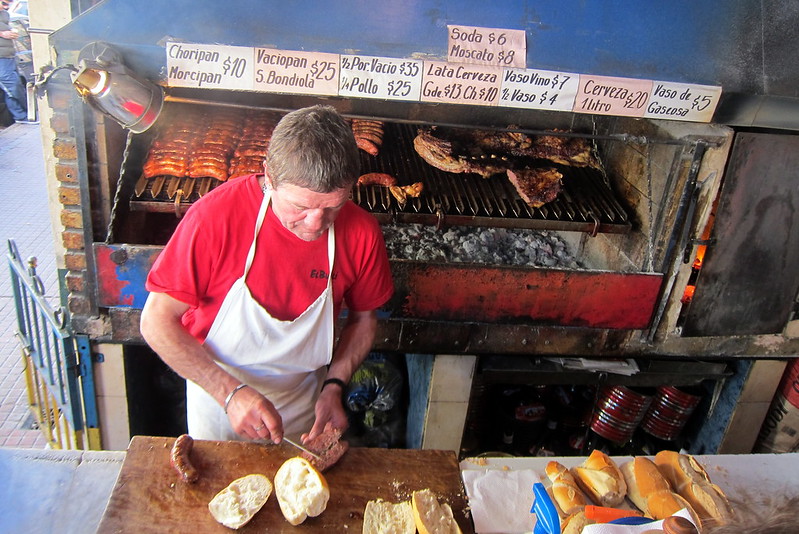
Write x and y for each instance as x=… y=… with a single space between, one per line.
x=658 y=488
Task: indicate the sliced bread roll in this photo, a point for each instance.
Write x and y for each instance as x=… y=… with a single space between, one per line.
x=600 y=478
x=301 y=490
x=565 y=493
x=432 y=517
x=643 y=481
x=382 y=517
x=235 y=505
x=691 y=481
x=575 y=523
x=709 y=501
x=680 y=469
x=649 y=490
x=667 y=503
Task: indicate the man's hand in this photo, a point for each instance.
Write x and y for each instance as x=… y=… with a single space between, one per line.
x=9 y=34
x=329 y=409
x=253 y=416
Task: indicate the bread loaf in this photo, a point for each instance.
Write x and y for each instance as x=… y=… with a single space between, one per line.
x=599 y=477
x=235 y=505
x=575 y=523
x=690 y=480
x=567 y=496
x=643 y=481
x=301 y=490
x=649 y=490
x=432 y=517
x=382 y=517
x=680 y=469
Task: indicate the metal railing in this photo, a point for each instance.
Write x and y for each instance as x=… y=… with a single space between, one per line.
x=57 y=363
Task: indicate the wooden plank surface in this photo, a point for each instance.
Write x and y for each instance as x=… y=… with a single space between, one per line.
x=150 y=497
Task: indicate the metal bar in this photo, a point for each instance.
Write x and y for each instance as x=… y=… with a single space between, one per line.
x=677 y=231
x=85 y=367
x=78 y=115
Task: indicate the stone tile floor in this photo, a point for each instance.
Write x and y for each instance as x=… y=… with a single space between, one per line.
x=24 y=217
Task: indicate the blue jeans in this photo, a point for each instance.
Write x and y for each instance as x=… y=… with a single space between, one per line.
x=16 y=99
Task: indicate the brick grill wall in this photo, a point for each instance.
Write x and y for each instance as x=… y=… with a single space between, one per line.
x=65 y=152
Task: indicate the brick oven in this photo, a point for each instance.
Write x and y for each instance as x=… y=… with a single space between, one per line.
x=671 y=235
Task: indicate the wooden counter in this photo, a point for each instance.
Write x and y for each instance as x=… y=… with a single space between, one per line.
x=150 y=497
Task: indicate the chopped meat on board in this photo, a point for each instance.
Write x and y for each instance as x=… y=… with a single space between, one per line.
x=328 y=446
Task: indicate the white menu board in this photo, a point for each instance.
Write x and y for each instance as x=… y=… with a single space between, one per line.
x=682 y=102
x=209 y=66
x=380 y=77
x=459 y=83
x=539 y=89
x=281 y=71
x=487 y=46
x=605 y=95
x=271 y=70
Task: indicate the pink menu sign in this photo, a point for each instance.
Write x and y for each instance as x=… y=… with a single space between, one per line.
x=605 y=95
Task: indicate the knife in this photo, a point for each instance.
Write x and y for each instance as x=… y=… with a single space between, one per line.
x=303 y=449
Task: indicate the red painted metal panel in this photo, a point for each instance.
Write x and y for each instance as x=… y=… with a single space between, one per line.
x=121 y=273
x=545 y=296
x=450 y=292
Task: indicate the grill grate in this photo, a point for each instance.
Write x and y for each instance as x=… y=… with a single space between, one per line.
x=585 y=203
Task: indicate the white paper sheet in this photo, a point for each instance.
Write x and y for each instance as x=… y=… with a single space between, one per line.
x=500 y=500
x=631 y=529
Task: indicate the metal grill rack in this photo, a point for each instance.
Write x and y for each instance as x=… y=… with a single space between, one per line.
x=586 y=203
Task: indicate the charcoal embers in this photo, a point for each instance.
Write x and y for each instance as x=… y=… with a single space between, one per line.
x=466 y=244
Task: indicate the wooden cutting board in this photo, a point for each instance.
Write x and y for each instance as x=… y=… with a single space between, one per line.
x=149 y=495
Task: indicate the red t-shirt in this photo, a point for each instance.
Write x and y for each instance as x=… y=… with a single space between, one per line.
x=207 y=252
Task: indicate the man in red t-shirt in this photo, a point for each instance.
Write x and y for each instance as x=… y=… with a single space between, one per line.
x=244 y=297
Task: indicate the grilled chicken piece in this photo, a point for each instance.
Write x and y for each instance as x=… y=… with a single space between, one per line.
x=402 y=192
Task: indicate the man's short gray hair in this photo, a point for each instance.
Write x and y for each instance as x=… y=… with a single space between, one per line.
x=313 y=148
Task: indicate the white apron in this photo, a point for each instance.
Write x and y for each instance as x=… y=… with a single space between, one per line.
x=284 y=360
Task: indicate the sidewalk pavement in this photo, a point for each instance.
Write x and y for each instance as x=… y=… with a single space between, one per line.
x=24 y=217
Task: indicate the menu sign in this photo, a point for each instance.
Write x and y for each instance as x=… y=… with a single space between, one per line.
x=459 y=83
x=380 y=77
x=538 y=89
x=679 y=101
x=487 y=46
x=281 y=71
x=209 y=66
x=603 y=95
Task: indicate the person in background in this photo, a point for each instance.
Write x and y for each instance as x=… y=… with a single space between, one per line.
x=9 y=77
x=244 y=297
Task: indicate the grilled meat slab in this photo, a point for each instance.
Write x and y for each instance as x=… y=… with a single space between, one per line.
x=484 y=151
x=536 y=186
x=529 y=161
x=439 y=152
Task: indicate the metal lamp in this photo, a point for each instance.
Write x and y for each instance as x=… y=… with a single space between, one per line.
x=108 y=86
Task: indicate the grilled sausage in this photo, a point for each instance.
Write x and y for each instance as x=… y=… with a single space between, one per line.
x=165 y=170
x=179 y=458
x=369 y=136
x=208 y=170
x=377 y=178
x=367 y=146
